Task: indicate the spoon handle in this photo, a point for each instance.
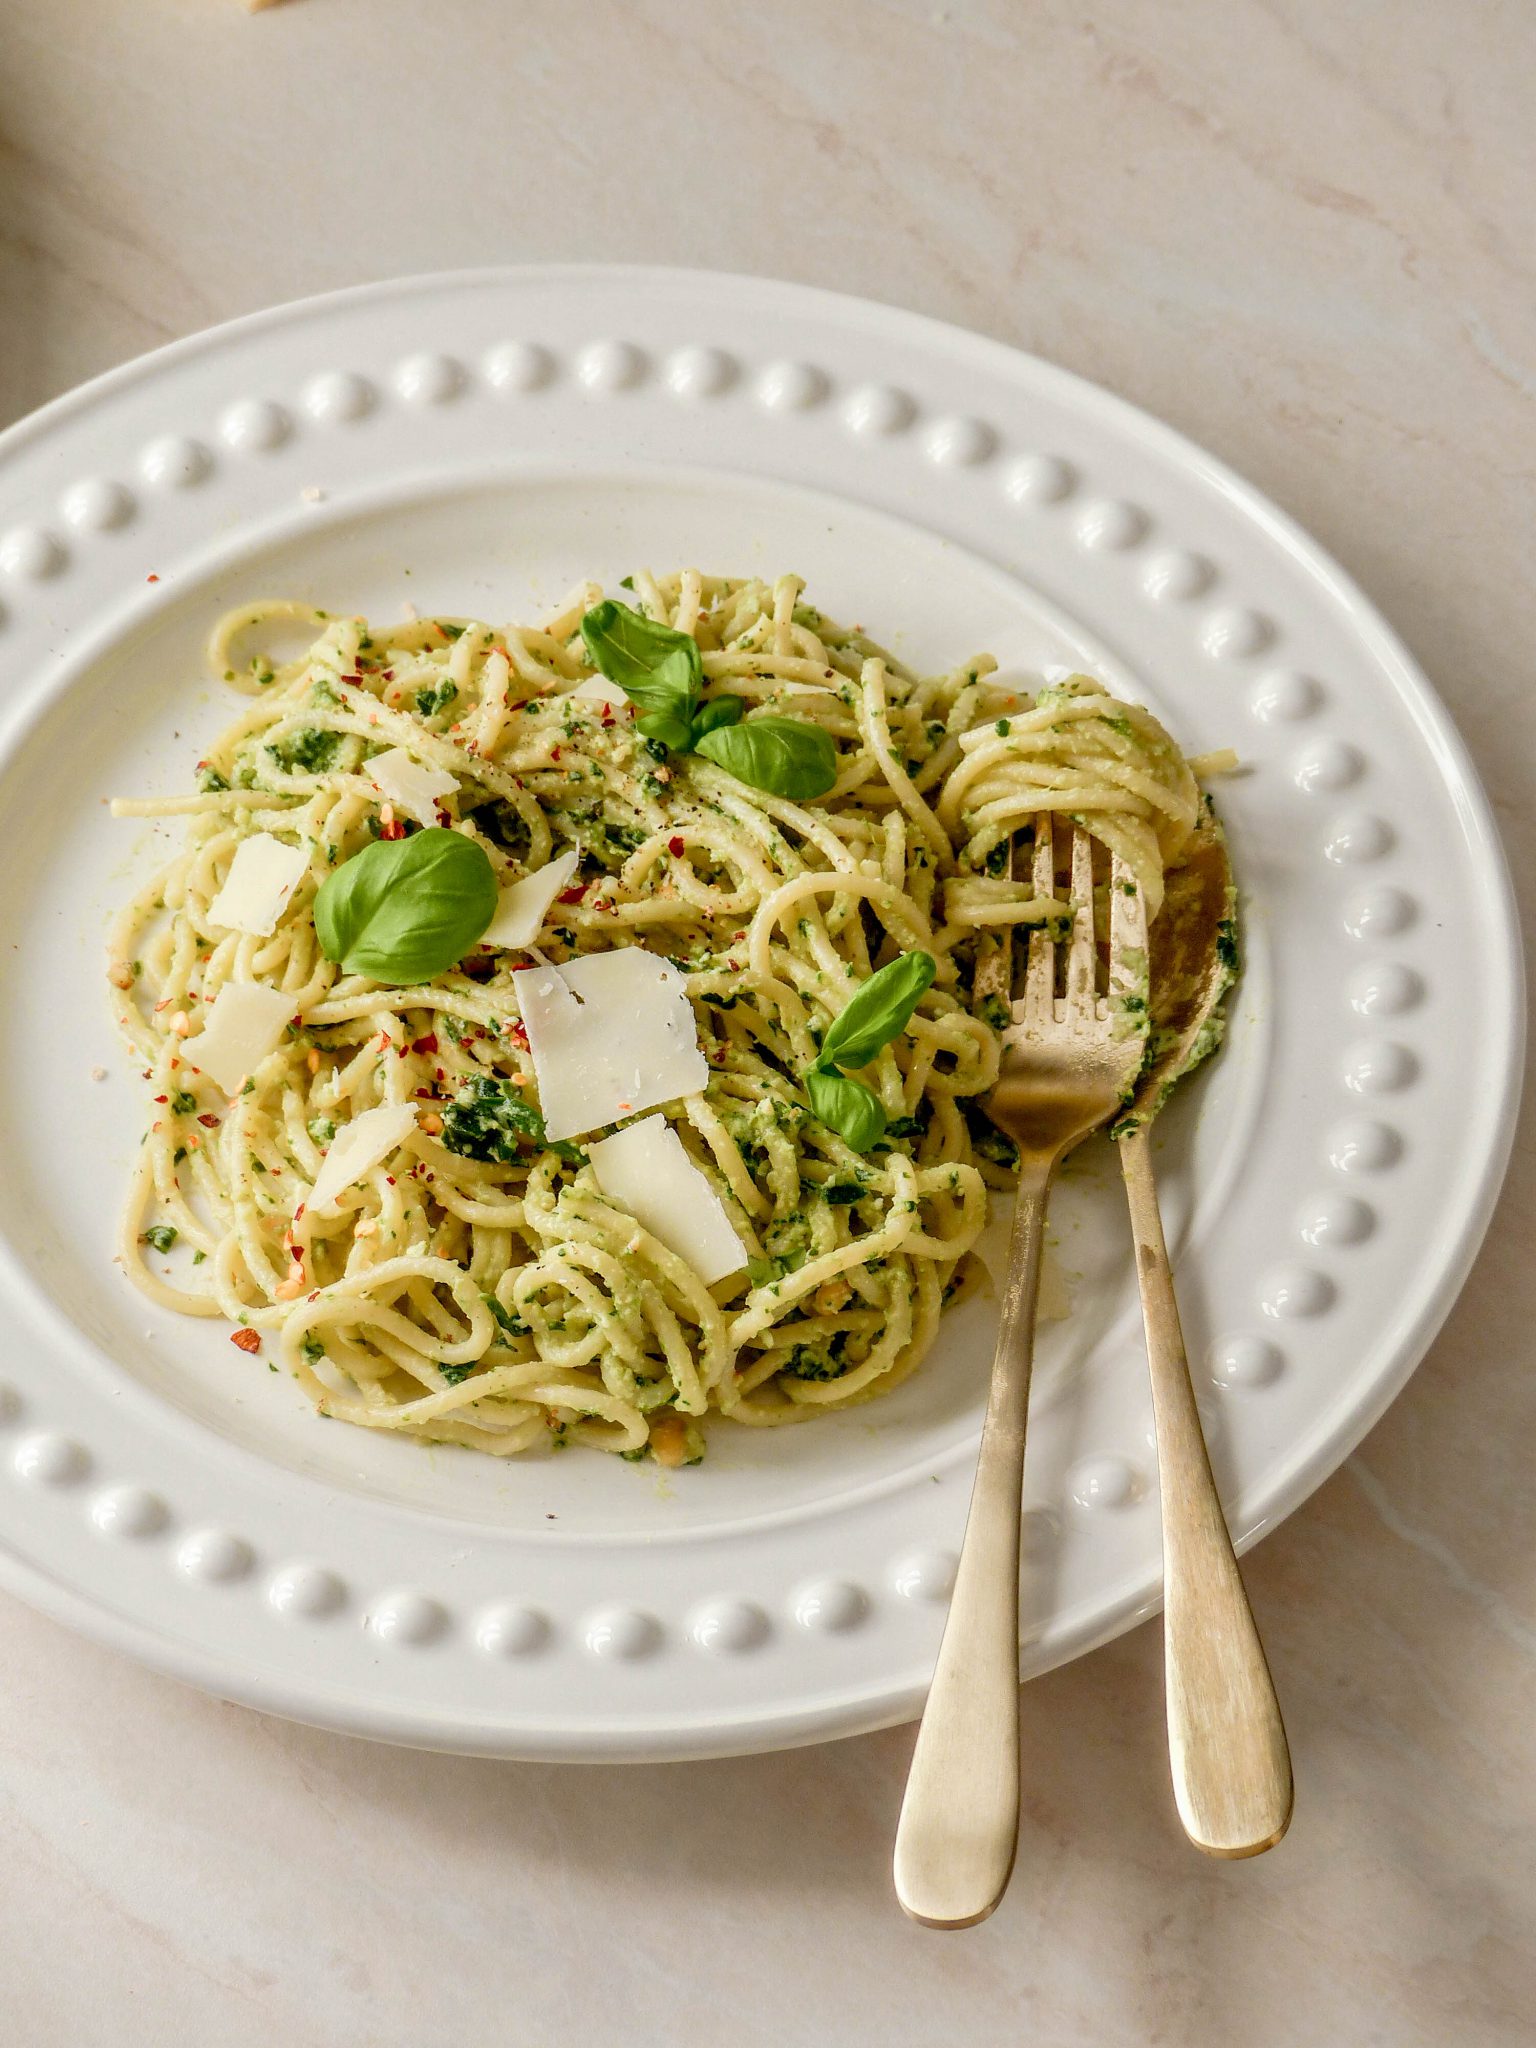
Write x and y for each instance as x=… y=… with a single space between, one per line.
x=1226 y=1740
x=959 y=1824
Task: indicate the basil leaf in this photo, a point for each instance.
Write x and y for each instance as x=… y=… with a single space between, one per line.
x=785 y=756
x=847 y=1107
x=717 y=712
x=404 y=910
x=659 y=669
x=879 y=1012
x=670 y=727
x=655 y=666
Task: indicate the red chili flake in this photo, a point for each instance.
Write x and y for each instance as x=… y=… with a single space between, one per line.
x=313 y=1297
x=297 y=1020
x=572 y=895
x=389 y=675
x=554 y=753
x=518 y=1033
x=162 y=1098
x=151 y=579
x=296 y=1251
x=390 y=1178
x=298 y=1212
x=425 y=1044
x=395 y=829
x=675 y=845
x=247 y=1340
x=208 y=1120
x=384 y=1041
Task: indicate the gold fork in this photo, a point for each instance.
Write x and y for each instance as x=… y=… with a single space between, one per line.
x=1068 y=1063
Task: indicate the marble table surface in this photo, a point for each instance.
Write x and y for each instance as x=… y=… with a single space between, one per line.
x=1300 y=232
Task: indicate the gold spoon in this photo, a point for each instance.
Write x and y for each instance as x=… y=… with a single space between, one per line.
x=1226 y=1740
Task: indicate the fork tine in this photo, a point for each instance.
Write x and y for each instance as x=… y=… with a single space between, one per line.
x=1040 y=974
x=1043 y=877
x=994 y=968
x=1127 y=932
x=994 y=957
x=1082 y=959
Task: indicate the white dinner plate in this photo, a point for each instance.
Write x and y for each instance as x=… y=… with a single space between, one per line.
x=475 y=444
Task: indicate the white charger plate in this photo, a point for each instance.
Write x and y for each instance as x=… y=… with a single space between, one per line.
x=475 y=444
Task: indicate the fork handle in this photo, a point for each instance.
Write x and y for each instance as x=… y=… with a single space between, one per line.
x=959 y=1823
x=1226 y=1740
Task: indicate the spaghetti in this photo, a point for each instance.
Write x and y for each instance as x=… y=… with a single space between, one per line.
x=504 y=1301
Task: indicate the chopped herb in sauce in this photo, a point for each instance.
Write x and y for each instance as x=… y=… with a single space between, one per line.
x=510 y=1323
x=491 y=1120
x=434 y=698
x=309 y=751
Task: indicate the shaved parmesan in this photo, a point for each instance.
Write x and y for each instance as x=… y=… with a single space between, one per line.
x=244 y=1025
x=598 y=690
x=262 y=876
x=522 y=908
x=647 y=1172
x=610 y=1034
x=417 y=790
x=358 y=1148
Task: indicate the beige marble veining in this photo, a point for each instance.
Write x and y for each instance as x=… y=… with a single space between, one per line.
x=1302 y=233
